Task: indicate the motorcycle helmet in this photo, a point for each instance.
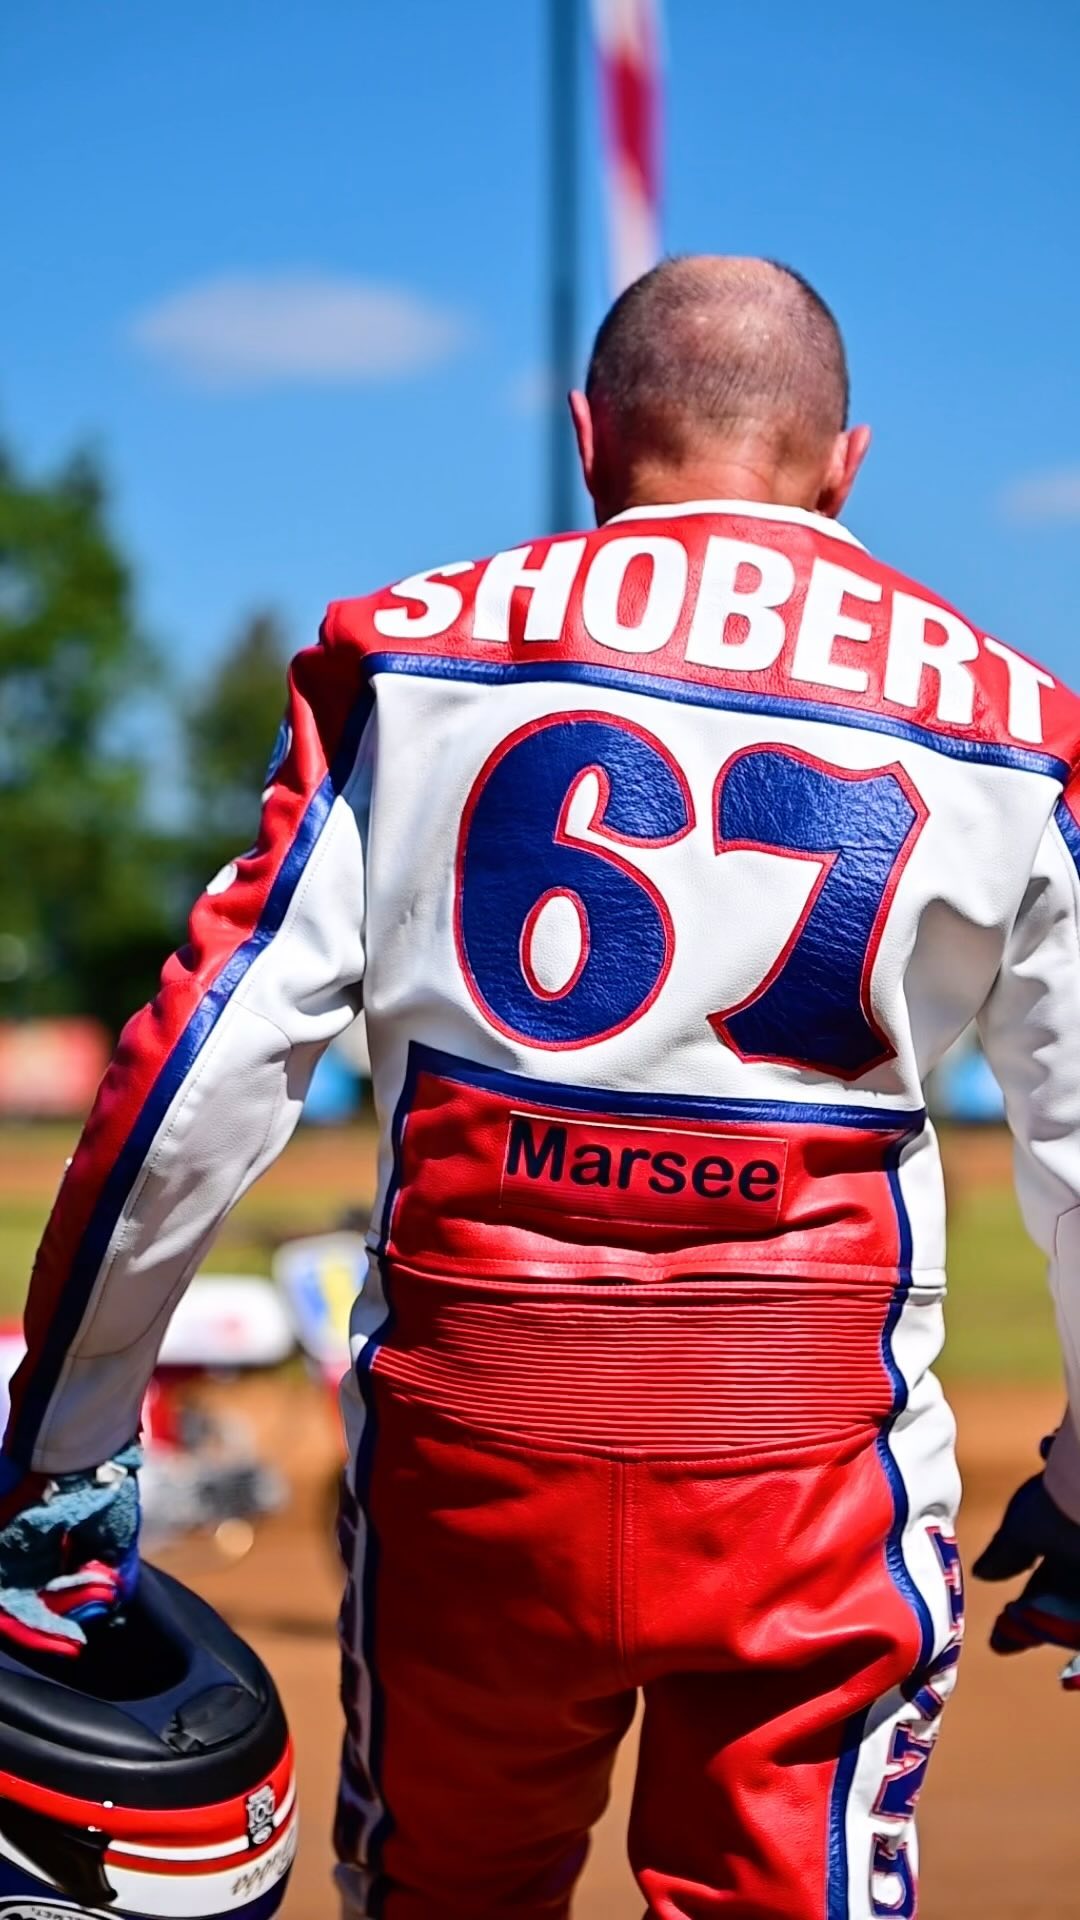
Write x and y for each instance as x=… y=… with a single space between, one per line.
x=153 y=1776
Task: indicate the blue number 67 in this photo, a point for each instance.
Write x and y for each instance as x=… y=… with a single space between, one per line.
x=813 y=1007
x=516 y=857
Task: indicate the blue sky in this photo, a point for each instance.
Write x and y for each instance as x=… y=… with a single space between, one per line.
x=178 y=181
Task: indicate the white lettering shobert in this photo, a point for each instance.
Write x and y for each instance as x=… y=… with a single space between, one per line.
x=658 y=615
x=548 y=586
x=1025 y=700
x=824 y=621
x=442 y=604
x=736 y=621
x=738 y=628
x=912 y=652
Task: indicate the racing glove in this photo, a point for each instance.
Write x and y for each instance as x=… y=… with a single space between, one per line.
x=69 y=1550
x=1047 y=1611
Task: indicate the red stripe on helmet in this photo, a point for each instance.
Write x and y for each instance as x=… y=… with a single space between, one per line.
x=184 y=1826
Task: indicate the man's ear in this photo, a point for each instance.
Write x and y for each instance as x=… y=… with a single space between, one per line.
x=581 y=415
x=849 y=452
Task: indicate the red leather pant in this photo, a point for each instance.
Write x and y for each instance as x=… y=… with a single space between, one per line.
x=791 y=1618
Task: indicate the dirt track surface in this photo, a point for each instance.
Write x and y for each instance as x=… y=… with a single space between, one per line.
x=1000 y=1835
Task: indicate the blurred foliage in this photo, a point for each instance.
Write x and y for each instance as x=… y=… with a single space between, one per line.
x=84 y=882
x=230 y=728
x=93 y=889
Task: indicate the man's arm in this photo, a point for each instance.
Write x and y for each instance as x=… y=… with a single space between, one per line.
x=206 y=1084
x=1030 y=1028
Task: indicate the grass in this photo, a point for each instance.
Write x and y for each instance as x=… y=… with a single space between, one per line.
x=1000 y=1322
x=999 y=1318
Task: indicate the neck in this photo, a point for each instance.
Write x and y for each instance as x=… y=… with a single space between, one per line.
x=657 y=483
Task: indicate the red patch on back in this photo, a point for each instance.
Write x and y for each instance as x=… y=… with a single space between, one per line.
x=635 y=1173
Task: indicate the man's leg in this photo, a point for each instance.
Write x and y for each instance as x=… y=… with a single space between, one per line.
x=482 y=1701
x=788 y=1728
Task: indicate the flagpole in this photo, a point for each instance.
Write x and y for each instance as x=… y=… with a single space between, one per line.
x=563 y=254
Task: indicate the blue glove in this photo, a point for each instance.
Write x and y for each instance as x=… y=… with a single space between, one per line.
x=69 y=1550
x=1047 y=1611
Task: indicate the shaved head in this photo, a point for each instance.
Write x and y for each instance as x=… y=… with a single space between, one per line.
x=709 y=357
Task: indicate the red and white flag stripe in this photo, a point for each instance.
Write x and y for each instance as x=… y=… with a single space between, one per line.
x=628 y=48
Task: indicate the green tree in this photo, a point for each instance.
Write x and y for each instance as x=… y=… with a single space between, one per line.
x=85 y=899
x=231 y=726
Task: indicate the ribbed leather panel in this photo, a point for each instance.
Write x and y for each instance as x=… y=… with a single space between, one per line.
x=736 y=1365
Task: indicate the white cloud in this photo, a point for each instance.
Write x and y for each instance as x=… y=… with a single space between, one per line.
x=245 y=330
x=1053 y=495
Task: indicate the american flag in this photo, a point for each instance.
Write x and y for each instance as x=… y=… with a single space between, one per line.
x=628 y=47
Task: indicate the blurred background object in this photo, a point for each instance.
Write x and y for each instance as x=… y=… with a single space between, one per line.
x=963 y=1088
x=293 y=297
x=50 y=1068
x=628 y=47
